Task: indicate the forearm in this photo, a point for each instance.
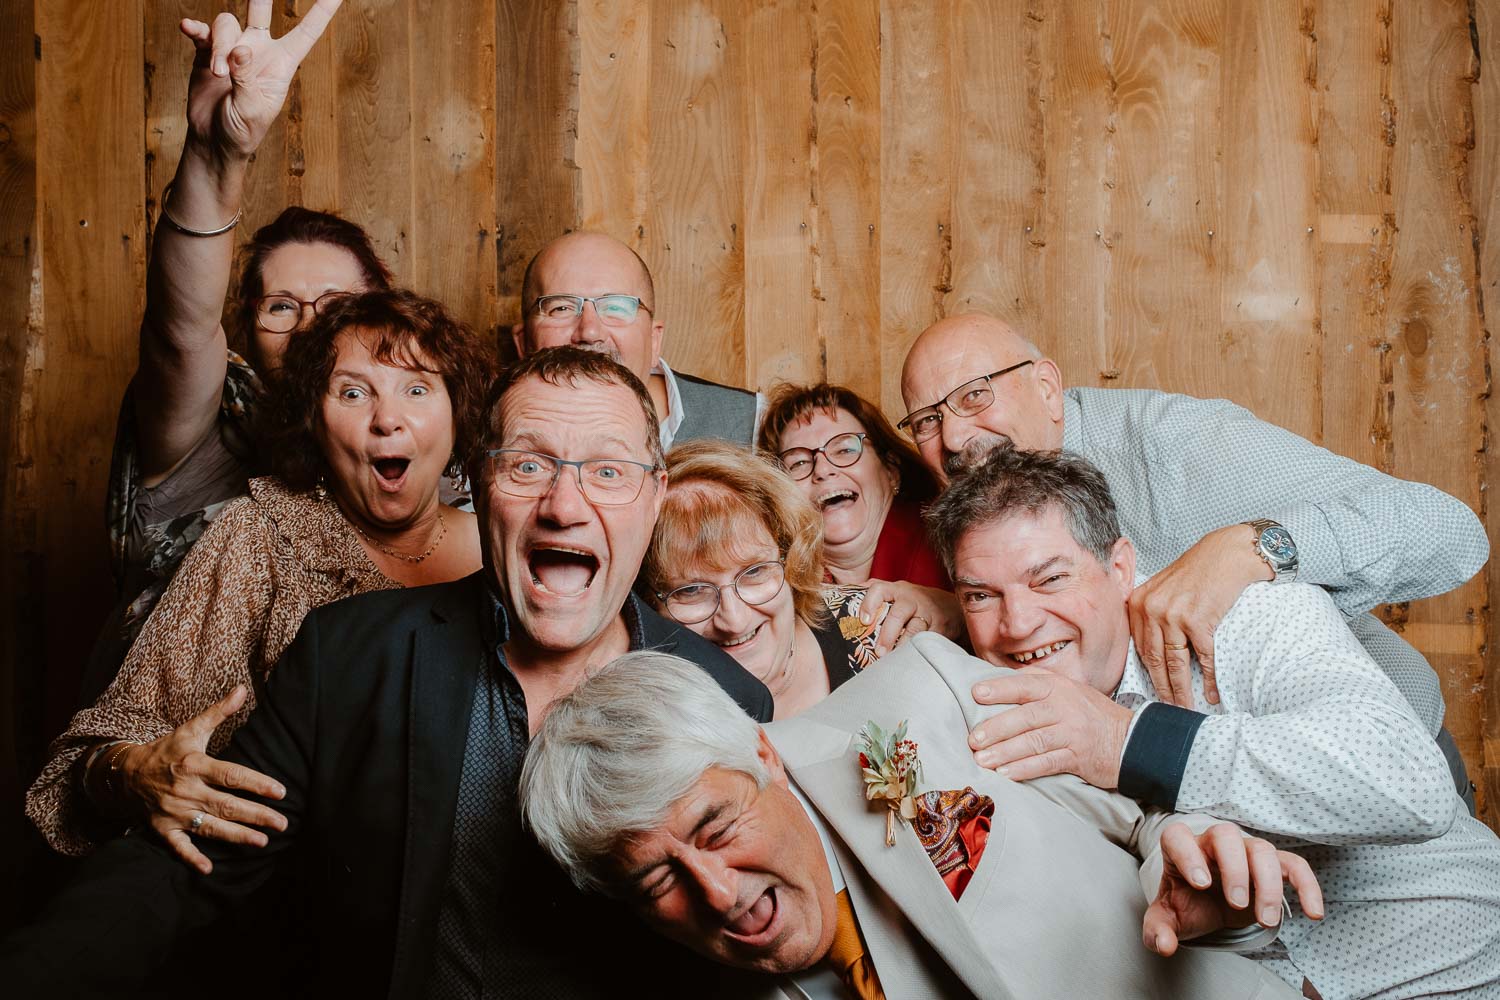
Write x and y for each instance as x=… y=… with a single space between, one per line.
x=1356 y=773
x=188 y=276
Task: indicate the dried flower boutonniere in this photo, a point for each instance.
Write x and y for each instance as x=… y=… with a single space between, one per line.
x=888 y=762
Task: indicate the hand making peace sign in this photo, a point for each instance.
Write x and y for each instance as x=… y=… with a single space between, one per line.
x=241 y=76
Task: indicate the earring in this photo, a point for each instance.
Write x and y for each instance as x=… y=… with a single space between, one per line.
x=321 y=489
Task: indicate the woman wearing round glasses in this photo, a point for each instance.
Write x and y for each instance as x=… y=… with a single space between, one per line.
x=868 y=483
x=737 y=558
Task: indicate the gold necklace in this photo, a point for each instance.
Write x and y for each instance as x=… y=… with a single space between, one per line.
x=442 y=533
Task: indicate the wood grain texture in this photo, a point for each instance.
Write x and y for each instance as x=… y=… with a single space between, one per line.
x=916 y=182
x=90 y=100
x=1484 y=189
x=1436 y=368
x=846 y=257
x=374 y=120
x=22 y=557
x=782 y=339
x=453 y=217
x=536 y=121
x=1077 y=92
x=697 y=221
x=614 y=128
x=1267 y=236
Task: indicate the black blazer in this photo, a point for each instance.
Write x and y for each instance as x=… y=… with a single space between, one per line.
x=364 y=721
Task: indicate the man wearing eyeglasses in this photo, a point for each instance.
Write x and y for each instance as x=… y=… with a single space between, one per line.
x=592 y=290
x=1213 y=500
x=398 y=727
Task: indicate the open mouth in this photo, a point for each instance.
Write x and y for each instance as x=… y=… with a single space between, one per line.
x=836 y=500
x=563 y=571
x=756 y=920
x=391 y=471
x=736 y=643
x=1041 y=653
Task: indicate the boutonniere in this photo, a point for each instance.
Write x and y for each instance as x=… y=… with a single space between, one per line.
x=889 y=765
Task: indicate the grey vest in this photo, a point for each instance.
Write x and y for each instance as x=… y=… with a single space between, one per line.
x=711 y=410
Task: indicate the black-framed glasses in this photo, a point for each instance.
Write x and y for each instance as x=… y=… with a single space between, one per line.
x=842 y=450
x=756 y=584
x=530 y=474
x=614 y=309
x=282 y=313
x=974 y=396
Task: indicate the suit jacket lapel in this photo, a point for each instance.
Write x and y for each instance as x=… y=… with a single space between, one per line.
x=879 y=875
x=445 y=661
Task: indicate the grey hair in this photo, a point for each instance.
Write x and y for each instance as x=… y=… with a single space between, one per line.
x=1008 y=480
x=613 y=756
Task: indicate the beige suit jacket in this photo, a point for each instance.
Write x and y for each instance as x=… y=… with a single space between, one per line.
x=1055 y=907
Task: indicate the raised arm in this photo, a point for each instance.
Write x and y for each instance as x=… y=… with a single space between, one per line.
x=1321 y=746
x=1206 y=466
x=239 y=82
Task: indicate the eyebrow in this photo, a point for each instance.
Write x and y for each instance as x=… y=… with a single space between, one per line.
x=528 y=441
x=1044 y=565
x=712 y=813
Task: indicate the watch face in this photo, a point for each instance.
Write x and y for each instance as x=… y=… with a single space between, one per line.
x=1277 y=543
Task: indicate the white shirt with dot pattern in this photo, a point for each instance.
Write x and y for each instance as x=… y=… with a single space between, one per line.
x=1312 y=747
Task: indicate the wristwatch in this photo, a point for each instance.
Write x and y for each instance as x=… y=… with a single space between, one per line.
x=1274 y=544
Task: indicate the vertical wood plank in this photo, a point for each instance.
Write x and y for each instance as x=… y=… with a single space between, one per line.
x=310 y=142
x=782 y=339
x=1076 y=88
x=1436 y=369
x=536 y=125
x=21 y=556
x=376 y=176
x=1269 y=302
x=998 y=158
x=916 y=181
x=1356 y=223
x=697 y=224
x=847 y=253
x=614 y=128
x=90 y=113
x=1164 y=191
x=453 y=220
x=1484 y=187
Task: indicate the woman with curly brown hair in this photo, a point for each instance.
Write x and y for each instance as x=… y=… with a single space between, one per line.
x=378 y=400
x=737 y=557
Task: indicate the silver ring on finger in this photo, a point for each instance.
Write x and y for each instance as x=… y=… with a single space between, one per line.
x=197 y=821
x=926 y=625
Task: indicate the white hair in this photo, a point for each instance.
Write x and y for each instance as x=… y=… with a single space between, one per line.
x=613 y=756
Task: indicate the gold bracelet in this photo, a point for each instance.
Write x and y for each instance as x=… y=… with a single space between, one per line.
x=112 y=766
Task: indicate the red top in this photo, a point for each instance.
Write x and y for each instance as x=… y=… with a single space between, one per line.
x=903 y=552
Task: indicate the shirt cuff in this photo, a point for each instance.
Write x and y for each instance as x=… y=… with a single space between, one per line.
x=1156 y=753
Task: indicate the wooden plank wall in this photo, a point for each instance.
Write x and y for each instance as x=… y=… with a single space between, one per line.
x=1288 y=203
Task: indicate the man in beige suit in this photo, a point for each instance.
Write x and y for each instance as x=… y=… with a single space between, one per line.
x=737 y=841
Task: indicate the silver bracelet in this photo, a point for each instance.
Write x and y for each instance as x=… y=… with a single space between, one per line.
x=184 y=230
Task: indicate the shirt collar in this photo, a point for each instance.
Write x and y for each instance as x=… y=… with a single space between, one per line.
x=673 y=420
x=824 y=837
x=1135 y=686
x=1072 y=421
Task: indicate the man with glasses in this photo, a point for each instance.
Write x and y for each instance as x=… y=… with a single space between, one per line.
x=592 y=290
x=398 y=726
x=1212 y=498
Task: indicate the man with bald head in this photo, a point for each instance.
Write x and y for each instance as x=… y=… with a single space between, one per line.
x=591 y=290
x=1213 y=500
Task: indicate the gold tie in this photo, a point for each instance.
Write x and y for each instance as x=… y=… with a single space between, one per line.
x=849 y=957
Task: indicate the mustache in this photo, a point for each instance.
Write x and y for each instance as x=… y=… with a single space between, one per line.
x=974 y=453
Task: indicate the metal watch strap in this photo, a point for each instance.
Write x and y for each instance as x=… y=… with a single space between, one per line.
x=1283 y=574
